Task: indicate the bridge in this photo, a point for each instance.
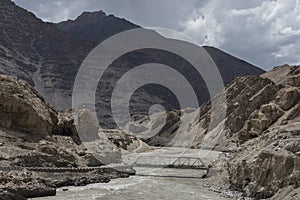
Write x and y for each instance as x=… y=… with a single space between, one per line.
x=104 y=168
x=153 y=161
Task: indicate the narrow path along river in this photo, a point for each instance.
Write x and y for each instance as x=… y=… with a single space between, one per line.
x=162 y=184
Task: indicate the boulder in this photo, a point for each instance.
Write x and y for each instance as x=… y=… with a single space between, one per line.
x=23 y=109
x=287 y=97
x=66 y=126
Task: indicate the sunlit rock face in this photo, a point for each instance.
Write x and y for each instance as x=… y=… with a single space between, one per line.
x=23 y=109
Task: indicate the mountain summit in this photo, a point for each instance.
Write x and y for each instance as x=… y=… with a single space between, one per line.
x=95 y=26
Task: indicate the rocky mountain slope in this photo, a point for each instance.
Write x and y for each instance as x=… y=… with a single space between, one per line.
x=39 y=53
x=48 y=56
x=33 y=134
x=97 y=26
x=261 y=131
x=36 y=132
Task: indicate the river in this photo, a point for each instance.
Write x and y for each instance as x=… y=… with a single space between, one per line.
x=149 y=184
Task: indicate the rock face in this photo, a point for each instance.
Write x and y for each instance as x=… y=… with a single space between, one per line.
x=254 y=104
x=267 y=164
x=23 y=109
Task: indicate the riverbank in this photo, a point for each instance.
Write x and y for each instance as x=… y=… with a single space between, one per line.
x=28 y=184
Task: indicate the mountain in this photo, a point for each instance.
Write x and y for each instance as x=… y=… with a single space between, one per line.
x=48 y=57
x=39 y=53
x=95 y=26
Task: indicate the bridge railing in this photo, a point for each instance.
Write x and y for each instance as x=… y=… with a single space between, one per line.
x=170 y=162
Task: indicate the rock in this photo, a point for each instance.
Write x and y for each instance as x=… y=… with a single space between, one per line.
x=288 y=193
x=84 y=129
x=261 y=177
x=23 y=109
x=86 y=125
x=66 y=126
x=279 y=74
x=287 y=97
x=23 y=185
x=79 y=124
x=121 y=139
x=260 y=170
x=294 y=81
x=294 y=113
x=104 y=150
x=249 y=106
x=261 y=120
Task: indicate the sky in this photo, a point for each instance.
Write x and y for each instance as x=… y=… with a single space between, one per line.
x=265 y=33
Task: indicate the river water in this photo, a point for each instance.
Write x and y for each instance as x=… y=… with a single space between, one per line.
x=149 y=184
x=137 y=187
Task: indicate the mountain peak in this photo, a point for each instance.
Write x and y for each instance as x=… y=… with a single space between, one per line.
x=95 y=26
x=87 y=16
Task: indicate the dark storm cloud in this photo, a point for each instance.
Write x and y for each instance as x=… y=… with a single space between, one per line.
x=265 y=33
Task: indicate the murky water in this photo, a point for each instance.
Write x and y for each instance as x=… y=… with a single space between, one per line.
x=138 y=187
x=150 y=184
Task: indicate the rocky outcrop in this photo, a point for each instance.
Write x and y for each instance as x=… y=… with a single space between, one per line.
x=23 y=184
x=123 y=140
x=66 y=126
x=267 y=161
x=294 y=81
x=32 y=135
x=267 y=164
x=84 y=129
x=287 y=98
x=78 y=124
x=249 y=112
x=259 y=121
x=254 y=104
x=23 y=109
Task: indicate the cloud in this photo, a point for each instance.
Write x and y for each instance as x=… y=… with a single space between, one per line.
x=265 y=33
